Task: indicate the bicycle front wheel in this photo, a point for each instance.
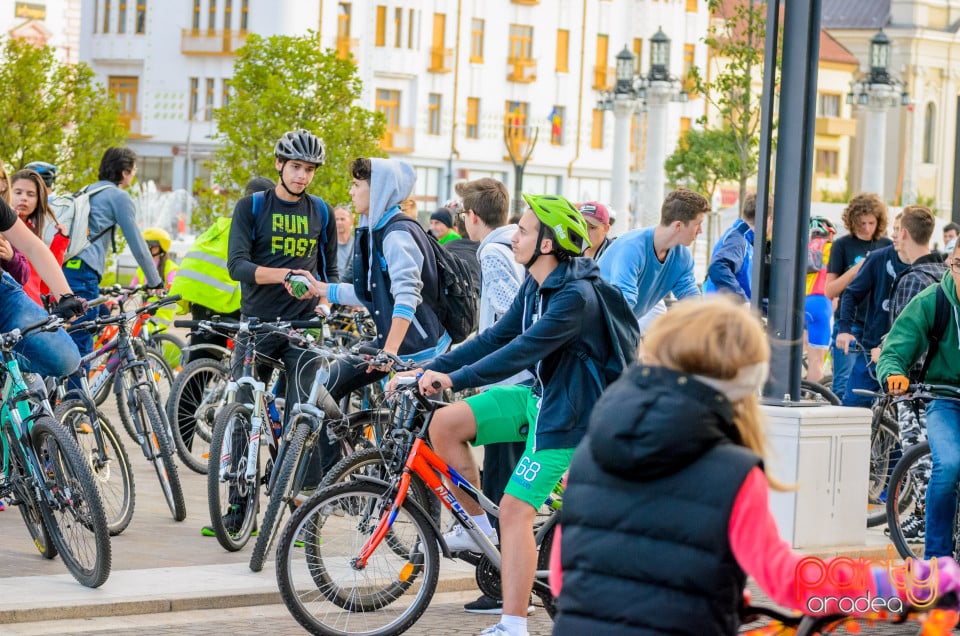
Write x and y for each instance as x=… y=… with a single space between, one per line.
x=323 y=589
x=76 y=521
x=198 y=393
x=906 y=494
x=160 y=453
x=884 y=449
x=170 y=347
x=280 y=495
x=111 y=472
x=232 y=498
x=26 y=500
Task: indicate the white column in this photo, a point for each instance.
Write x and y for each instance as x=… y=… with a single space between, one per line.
x=620 y=174
x=875 y=139
x=658 y=101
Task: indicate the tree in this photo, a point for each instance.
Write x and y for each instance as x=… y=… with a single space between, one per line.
x=54 y=112
x=283 y=83
x=738 y=42
x=703 y=159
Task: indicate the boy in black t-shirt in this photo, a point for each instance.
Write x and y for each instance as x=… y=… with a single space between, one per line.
x=865 y=218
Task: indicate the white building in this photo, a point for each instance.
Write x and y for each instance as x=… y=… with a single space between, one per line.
x=52 y=22
x=447 y=74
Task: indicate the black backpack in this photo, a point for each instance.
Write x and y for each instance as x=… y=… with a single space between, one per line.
x=623 y=333
x=941 y=320
x=457 y=302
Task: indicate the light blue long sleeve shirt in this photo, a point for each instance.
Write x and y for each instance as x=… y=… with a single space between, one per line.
x=631 y=264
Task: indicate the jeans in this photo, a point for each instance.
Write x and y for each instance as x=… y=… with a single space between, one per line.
x=49 y=353
x=863 y=375
x=842 y=362
x=943 y=431
x=85 y=282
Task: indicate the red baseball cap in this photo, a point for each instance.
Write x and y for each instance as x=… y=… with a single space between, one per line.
x=596 y=210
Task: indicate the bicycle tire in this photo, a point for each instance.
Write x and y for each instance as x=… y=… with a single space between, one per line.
x=382 y=463
x=900 y=499
x=884 y=440
x=79 y=517
x=359 y=599
x=161 y=449
x=170 y=348
x=234 y=420
x=544 y=540
x=114 y=479
x=197 y=394
x=274 y=512
x=164 y=378
x=818 y=393
x=25 y=499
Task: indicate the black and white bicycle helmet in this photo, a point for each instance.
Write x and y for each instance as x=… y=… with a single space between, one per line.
x=300 y=145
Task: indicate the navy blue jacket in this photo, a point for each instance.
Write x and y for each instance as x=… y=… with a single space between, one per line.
x=872 y=286
x=731 y=264
x=570 y=322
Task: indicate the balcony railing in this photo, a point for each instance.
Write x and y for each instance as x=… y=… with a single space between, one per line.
x=521 y=69
x=441 y=60
x=397 y=139
x=603 y=77
x=211 y=42
x=347 y=46
x=836 y=127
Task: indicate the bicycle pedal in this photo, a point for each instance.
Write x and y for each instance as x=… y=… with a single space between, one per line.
x=84 y=428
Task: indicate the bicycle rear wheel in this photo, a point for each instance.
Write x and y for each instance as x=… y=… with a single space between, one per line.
x=112 y=474
x=231 y=498
x=170 y=347
x=817 y=393
x=884 y=448
x=279 y=496
x=318 y=582
x=196 y=396
x=545 y=538
x=25 y=499
x=76 y=521
x=161 y=453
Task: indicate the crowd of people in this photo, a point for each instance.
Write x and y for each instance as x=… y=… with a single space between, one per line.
x=678 y=436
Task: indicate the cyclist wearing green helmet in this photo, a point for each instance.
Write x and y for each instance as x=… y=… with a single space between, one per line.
x=553 y=326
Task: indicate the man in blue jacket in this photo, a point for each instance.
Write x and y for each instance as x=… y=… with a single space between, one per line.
x=553 y=325
x=731 y=264
x=870 y=288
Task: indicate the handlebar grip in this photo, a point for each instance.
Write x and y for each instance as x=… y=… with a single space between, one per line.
x=187 y=323
x=306 y=324
x=368 y=350
x=436 y=384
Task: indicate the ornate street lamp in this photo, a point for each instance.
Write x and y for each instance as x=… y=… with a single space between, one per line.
x=625 y=60
x=879 y=57
x=659 y=57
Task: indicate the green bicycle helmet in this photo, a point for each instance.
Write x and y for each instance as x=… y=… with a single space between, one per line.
x=555 y=212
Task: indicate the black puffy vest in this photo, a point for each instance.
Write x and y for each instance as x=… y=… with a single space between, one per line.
x=636 y=554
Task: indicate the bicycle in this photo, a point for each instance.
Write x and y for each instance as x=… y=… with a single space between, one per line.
x=906 y=493
x=137 y=389
x=884 y=453
x=379 y=546
x=45 y=473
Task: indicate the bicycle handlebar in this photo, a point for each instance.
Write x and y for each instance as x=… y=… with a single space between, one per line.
x=9 y=339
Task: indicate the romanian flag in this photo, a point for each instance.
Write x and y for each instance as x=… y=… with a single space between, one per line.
x=556 y=122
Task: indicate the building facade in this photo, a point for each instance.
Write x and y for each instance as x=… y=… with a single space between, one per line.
x=461 y=83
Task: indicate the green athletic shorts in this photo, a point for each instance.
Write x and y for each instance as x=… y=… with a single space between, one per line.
x=507 y=414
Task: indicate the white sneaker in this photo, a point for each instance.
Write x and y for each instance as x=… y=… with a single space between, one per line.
x=500 y=630
x=458 y=540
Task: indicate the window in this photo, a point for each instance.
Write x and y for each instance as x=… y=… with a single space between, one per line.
x=227 y=14
x=212 y=16
x=196 y=15
x=828 y=105
x=122 y=17
x=637 y=54
x=521 y=42
x=557 y=118
x=388 y=103
x=225 y=97
x=827 y=162
x=208 y=108
x=434 y=107
x=141 y=17
x=929 y=127
x=684 y=126
x=106 y=16
x=476 y=41
x=688 y=83
x=473 y=118
x=194 y=104
x=96 y=14
x=691 y=6
x=439 y=54
x=397 y=28
x=156 y=169
x=596 y=133
x=124 y=90
x=563 y=51
x=602 y=77
x=244 y=15
x=381 y=37
x=410 y=23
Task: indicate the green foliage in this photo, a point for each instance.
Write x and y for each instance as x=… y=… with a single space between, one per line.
x=738 y=39
x=703 y=159
x=826 y=196
x=54 y=112
x=283 y=83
